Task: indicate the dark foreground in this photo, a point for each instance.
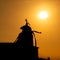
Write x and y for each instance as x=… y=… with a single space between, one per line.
x=13 y=51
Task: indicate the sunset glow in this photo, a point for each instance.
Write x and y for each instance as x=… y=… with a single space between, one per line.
x=43 y=15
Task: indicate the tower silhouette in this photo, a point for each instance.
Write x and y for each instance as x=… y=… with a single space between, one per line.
x=25 y=42
x=25 y=38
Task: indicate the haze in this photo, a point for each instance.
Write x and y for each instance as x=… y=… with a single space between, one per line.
x=13 y=14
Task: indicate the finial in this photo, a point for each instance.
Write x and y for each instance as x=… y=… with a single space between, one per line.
x=26 y=22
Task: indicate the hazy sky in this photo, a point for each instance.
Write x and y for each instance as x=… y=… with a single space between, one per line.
x=13 y=14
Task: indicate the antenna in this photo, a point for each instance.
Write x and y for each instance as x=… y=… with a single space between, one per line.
x=27 y=22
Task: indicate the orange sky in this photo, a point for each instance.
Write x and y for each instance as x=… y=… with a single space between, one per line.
x=12 y=17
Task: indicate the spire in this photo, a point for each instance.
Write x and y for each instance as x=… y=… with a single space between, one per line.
x=27 y=22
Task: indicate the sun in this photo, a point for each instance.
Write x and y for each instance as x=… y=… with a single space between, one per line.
x=43 y=15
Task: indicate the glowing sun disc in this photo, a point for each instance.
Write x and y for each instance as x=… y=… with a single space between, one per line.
x=43 y=15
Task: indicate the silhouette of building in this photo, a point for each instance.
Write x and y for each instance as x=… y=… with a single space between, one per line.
x=25 y=41
x=23 y=48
